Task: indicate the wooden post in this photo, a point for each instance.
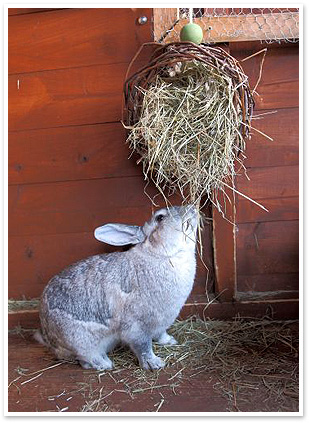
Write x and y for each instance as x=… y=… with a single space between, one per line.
x=163 y=20
x=224 y=241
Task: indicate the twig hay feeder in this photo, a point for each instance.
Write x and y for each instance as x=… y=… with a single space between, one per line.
x=189 y=113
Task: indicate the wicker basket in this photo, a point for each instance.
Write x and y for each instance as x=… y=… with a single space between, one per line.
x=167 y=57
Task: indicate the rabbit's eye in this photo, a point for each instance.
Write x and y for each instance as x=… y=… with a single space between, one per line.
x=160 y=217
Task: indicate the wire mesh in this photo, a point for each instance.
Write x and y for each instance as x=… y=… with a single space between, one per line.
x=229 y=24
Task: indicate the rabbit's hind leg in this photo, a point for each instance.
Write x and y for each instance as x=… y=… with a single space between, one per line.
x=90 y=345
x=166 y=339
x=98 y=362
x=108 y=343
x=94 y=356
x=64 y=354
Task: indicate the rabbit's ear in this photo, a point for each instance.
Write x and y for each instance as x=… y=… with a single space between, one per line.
x=119 y=234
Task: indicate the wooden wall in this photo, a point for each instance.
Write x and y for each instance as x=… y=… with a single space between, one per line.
x=69 y=170
x=68 y=163
x=267 y=243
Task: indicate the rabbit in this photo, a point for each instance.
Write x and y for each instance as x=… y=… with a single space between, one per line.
x=129 y=298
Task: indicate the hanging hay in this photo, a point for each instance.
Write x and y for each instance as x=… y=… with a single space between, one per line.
x=189 y=112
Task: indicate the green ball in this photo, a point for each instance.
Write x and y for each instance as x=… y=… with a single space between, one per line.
x=191 y=32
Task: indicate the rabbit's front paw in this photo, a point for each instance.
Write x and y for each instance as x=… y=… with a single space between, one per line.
x=152 y=363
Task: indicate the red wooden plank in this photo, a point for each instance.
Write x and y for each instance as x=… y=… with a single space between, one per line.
x=69 y=153
x=281 y=62
x=267 y=296
x=278 y=87
x=279 y=95
x=33 y=260
x=25 y=320
x=75 y=37
x=283 y=127
x=267 y=248
x=276 y=309
x=224 y=251
x=269 y=182
x=66 y=97
x=285 y=208
x=77 y=206
x=22 y=11
x=205 y=273
x=268 y=282
x=280 y=65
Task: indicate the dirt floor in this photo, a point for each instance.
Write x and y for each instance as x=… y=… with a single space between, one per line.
x=38 y=382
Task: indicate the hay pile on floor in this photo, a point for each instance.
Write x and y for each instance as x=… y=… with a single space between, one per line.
x=243 y=358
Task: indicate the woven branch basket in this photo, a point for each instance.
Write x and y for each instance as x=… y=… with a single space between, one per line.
x=168 y=56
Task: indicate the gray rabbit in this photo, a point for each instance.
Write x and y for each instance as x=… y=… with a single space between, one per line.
x=128 y=297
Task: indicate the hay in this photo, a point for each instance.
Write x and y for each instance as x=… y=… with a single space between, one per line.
x=243 y=356
x=189 y=114
x=21 y=305
x=190 y=127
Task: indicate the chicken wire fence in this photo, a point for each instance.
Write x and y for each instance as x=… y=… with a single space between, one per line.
x=226 y=25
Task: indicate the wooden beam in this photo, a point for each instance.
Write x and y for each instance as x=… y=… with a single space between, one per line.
x=25 y=11
x=224 y=242
x=270 y=26
x=275 y=309
x=163 y=20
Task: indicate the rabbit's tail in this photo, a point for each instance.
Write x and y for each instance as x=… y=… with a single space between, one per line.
x=39 y=337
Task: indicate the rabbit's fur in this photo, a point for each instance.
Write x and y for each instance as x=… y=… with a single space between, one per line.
x=129 y=297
